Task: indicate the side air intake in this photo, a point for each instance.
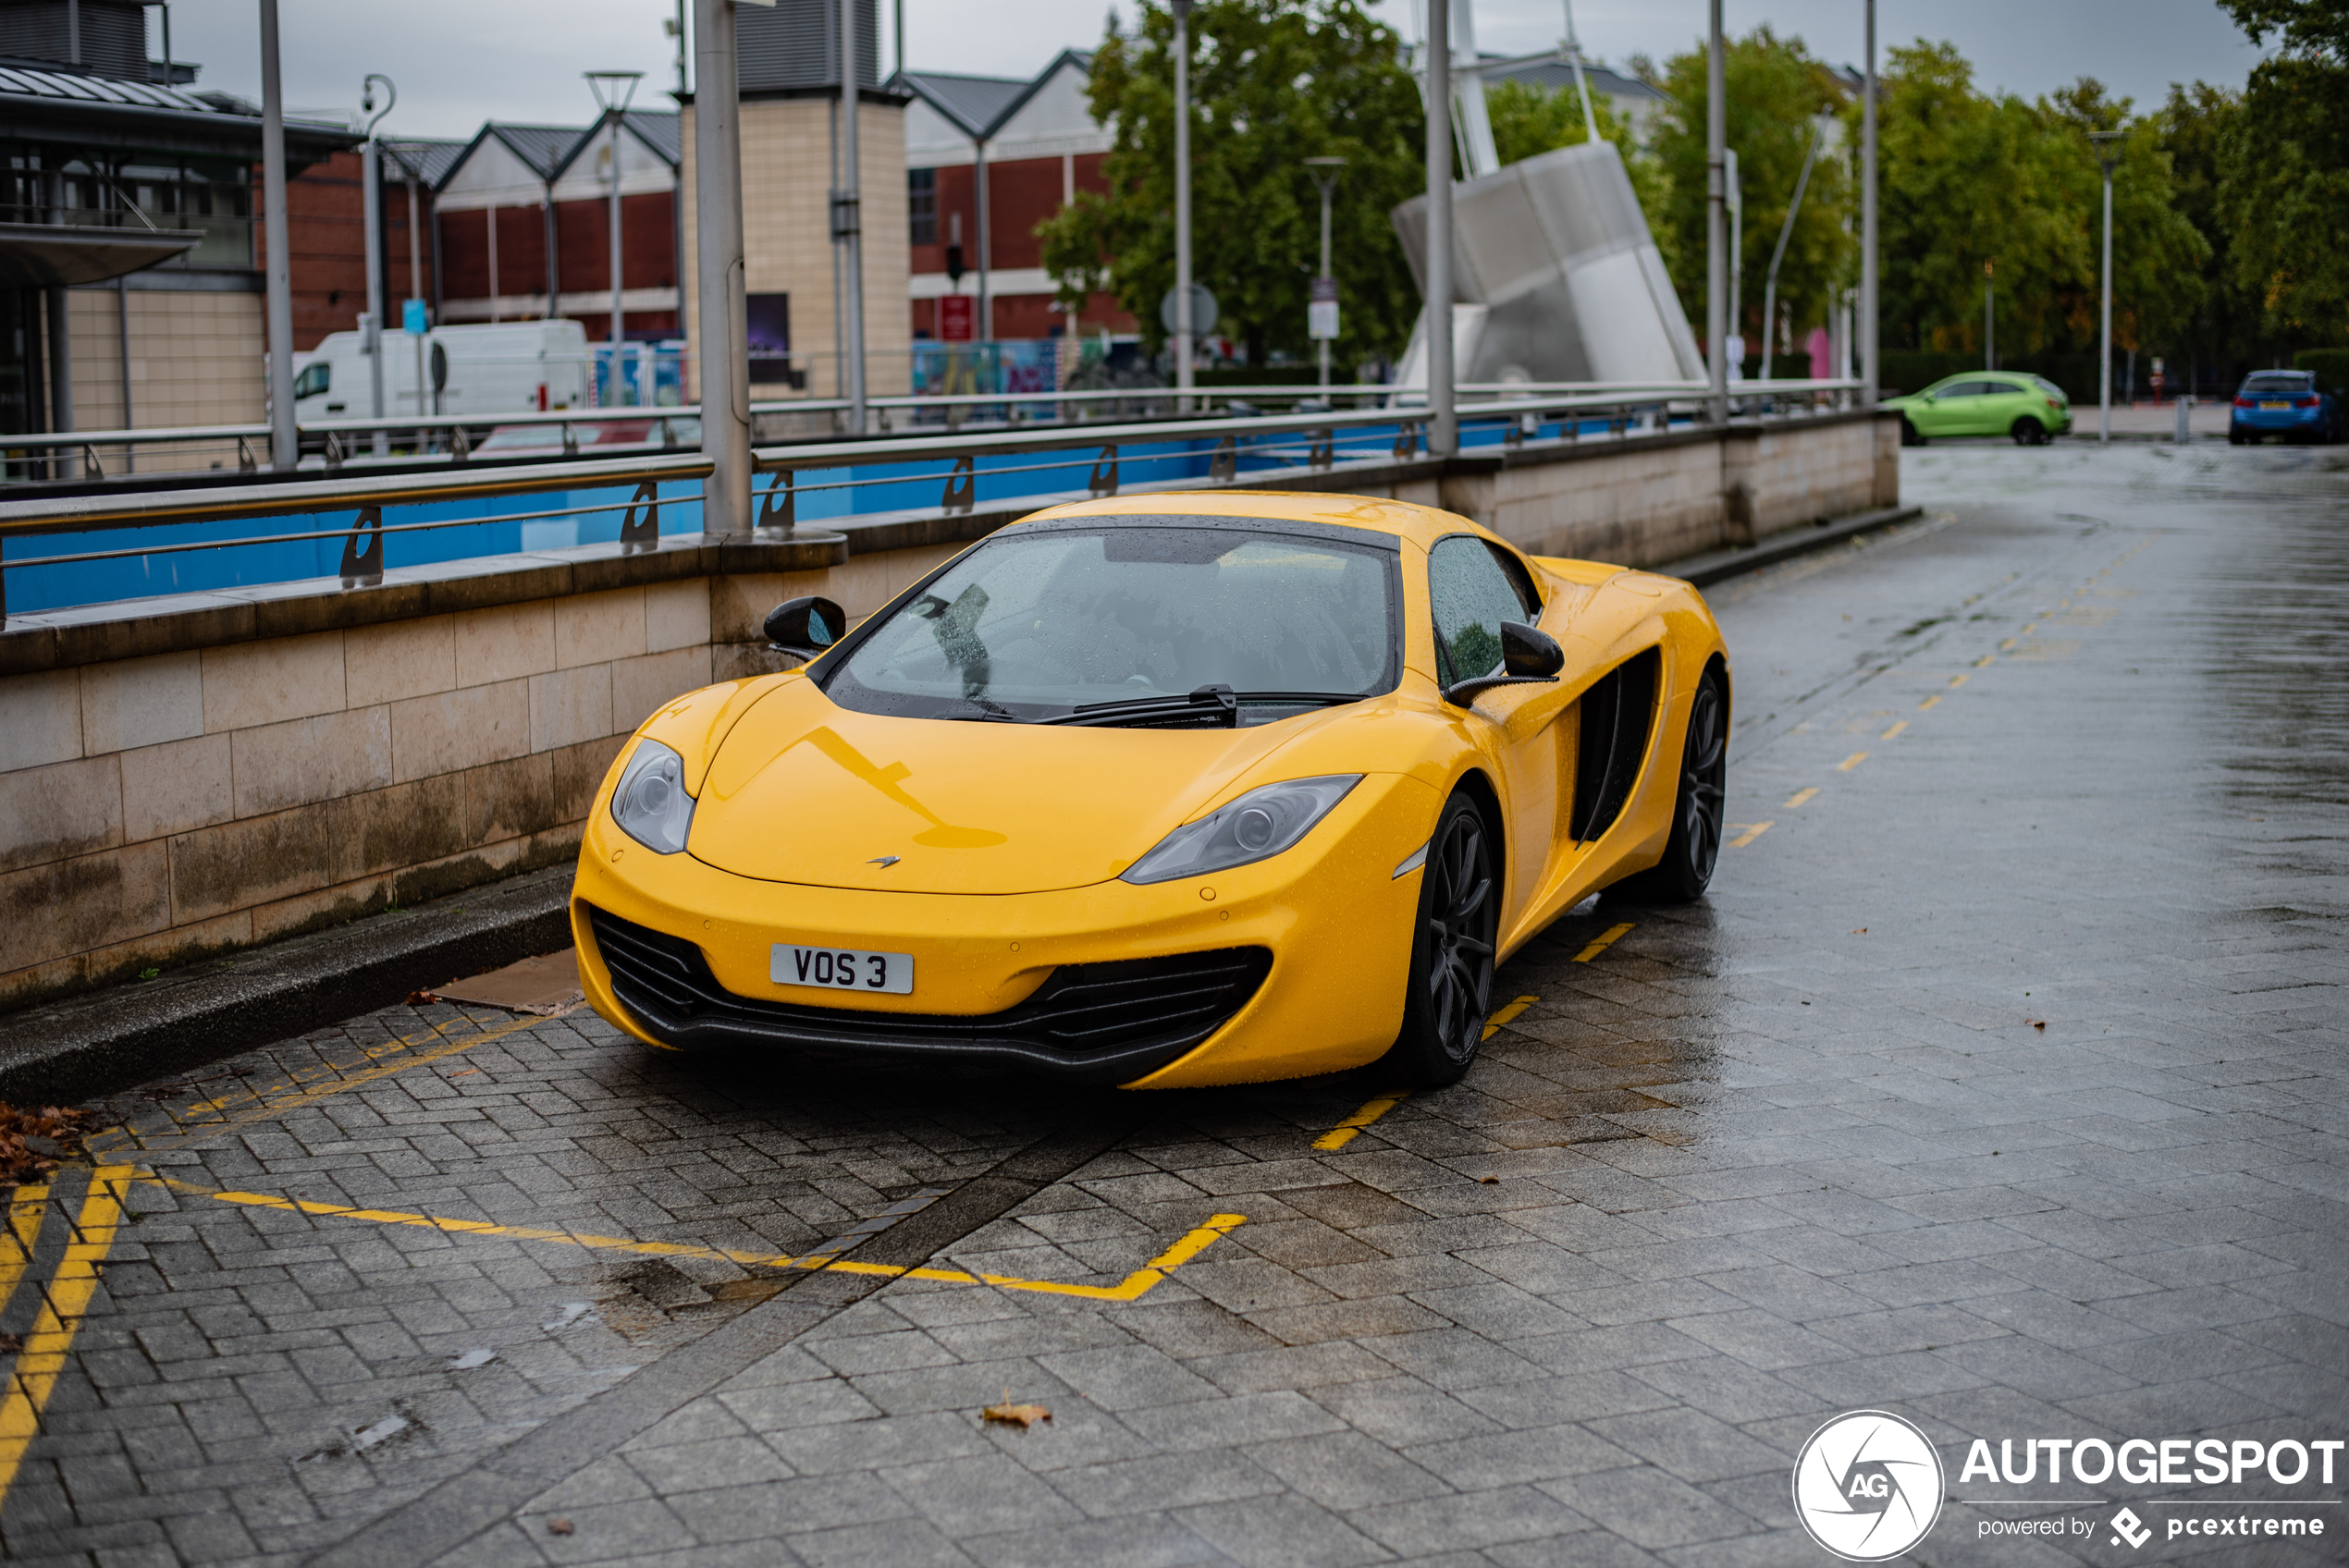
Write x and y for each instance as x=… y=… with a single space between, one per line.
x=1619 y=717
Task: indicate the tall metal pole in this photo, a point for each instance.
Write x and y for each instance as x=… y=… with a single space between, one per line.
x=373 y=193
x=283 y=449
x=722 y=378
x=1867 y=223
x=986 y=320
x=852 y=224
x=1324 y=171
x=1324 y=273
x=614 y=91
x=1443 y=425
x=1716 y=222
x=2105 y=142
x=1785 y=232
x=1989 y=322
x=1183 y=378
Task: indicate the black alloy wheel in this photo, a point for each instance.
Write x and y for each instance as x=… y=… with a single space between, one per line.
x=1450 y=990
x=1686 y=869
x=2029 y=432
x=1910 y=434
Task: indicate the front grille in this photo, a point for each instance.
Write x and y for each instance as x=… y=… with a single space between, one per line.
x=1094 y=1023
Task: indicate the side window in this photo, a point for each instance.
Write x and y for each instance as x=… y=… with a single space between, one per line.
x=314 y=378
x=1529 y=598
x=1470 y=595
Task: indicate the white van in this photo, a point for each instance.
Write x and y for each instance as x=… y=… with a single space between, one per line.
x=508 y=368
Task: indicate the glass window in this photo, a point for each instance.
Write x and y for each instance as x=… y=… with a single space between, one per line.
x=2280 y=381
x=921 y=206
x=1470 y=595
x=314 y=379
x=2050 y=388
x=1034 y=624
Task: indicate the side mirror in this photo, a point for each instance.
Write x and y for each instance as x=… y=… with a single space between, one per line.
x=1529 y=657
x=1529 y=650
x=805 y=627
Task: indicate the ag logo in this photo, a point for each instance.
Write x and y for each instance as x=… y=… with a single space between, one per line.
x=1867 y=1485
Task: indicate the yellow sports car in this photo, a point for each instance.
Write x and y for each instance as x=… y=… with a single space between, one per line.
x=1159 y=791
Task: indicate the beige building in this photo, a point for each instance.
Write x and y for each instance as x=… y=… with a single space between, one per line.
x=791 y=145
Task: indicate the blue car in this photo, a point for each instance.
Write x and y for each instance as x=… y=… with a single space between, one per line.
x=2285 y=403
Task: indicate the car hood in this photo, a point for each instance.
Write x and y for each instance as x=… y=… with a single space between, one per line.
x=804 y=791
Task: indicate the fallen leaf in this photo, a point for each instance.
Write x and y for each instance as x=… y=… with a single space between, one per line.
x=1490 y=1181
x=11 y=1344
x=423 y=999
x=464 y=1071
x=1859 y=930
x=2038 y=1023
x=34 y=1141
x=1020 y=1416
x=559 y=1527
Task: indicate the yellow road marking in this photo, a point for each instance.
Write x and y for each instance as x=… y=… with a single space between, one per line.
x=1507 y=1015
x=1985 y=661
x=1131 y=1288
x=1854 y=760
x=2030 y=629
x=302 y=1088
x=1958 y=681
x=1343 y=1134
x=1928 y=702
x=2008 y=645
x=1752 y=831
x=1604 y=940
x=1795 y=800
x=1898 y=727
x=65 y=1300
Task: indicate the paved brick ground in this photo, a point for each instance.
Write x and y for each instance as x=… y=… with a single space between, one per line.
x=2077 y=747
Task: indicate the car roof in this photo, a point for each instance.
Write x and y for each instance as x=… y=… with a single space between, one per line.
x=1401 y=519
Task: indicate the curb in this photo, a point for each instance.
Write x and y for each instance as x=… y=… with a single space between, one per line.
x=1718 y=566
x=94 y=1045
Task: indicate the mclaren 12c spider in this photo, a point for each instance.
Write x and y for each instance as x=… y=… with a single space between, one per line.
x=1159 y=791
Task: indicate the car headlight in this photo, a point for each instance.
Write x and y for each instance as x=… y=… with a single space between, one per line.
x=651 y=805
x=1258 y=826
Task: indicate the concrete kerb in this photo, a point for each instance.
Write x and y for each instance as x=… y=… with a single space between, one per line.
x=109 y=1040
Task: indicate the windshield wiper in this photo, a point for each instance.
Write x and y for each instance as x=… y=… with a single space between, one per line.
x=988 y=713
x=1216 y=705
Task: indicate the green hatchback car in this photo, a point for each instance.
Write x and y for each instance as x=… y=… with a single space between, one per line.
x=1985 y=402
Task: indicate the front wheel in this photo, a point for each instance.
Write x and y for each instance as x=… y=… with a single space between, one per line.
x=1450 y=988
x=1910 y=434
x=1686 y=869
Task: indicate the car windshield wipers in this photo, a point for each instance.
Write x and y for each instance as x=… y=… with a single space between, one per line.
x=985 y=711
x=1207 y=707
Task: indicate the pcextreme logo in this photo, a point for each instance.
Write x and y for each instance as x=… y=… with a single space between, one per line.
x=1867 y=1485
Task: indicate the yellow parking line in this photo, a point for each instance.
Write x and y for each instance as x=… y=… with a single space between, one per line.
x=2007 y=646
x=65 y=1300
x=2030 y=629
x=1854 y=760
x=1507 y=1015
x=1898 y=727
x=1606 y=939
x=1958 y=681
x=1985 y=661
x=1752 y=831
x=1801 y=796
x=1928 y=702
x=1131 y=1288
x=1343 y=1134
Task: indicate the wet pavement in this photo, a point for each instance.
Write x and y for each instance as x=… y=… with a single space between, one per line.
x=1998 y=1084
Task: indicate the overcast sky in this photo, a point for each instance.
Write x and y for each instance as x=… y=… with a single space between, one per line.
x=459 y=62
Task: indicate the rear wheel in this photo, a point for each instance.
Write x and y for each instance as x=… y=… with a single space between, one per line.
x=1450 y=988
x=1686 y=869
x=2029 y=432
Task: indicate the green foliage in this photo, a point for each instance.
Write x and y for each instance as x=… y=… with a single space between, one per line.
x=2332 y=366
x=1777 y=95
x=1529 y=120
x=1968 y=179
x=2285 y=194
x=2199 y=127
x=1272 y=82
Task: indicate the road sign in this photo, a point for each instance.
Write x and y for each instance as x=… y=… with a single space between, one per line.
x=1202 y=311
x=955 y=318
x=1320 y=314
x=412 y=316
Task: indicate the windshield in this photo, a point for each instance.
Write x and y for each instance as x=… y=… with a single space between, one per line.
x=2279 y=381
x=1034 y=625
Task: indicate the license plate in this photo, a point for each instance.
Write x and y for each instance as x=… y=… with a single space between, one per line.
x=842 y=969
x=2266 y=408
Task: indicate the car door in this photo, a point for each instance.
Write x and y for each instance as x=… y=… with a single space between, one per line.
x=1474 y=585
x=1941 y=410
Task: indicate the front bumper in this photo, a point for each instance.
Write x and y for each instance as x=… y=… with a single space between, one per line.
x=1332 y=922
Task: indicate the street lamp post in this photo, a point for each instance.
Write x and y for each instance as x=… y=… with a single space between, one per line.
x=613 y=90
x=1989 y=322
x=1717 y=224
x=2108 y=154
x=1183 y=377
x=373 y=187
x=1322 y=314
x=1442 y=423
x=721 y=375
x=848 y=219
x=284 y=449
x=1867 y=223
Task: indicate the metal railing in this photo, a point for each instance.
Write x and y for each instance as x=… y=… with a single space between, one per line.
x=1018 y=466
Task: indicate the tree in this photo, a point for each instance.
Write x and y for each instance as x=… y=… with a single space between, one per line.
x=1272 y=82
x=1778 y=94
x=2286 y=192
